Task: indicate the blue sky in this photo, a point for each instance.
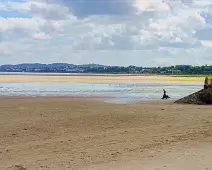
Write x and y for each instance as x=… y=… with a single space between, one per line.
x=112 y=32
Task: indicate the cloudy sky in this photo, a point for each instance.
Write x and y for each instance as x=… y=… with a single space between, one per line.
x=112 y=32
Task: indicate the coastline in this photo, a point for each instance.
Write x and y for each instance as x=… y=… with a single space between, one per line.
x=57 y=133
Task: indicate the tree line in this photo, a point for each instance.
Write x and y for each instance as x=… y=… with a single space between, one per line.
x=201 y=70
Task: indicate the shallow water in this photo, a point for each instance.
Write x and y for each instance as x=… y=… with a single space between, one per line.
x=127 y=92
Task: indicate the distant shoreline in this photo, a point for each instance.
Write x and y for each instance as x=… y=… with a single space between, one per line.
x=75 y=74
x=99 y=74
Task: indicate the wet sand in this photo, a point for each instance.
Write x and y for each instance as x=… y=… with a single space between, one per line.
x=76 y=133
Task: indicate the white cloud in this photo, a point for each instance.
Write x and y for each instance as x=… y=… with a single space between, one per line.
x=207 y=44
x=39 y=9
x=41 y=35
x=20 y=23
x=151 y=5
x=168 y=31
x=203 y=3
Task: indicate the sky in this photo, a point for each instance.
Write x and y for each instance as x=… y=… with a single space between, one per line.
x=110 y=32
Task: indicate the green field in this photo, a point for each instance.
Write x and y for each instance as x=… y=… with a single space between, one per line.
x=190 y=76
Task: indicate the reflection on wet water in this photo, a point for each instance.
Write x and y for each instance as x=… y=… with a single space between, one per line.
x=126 y=92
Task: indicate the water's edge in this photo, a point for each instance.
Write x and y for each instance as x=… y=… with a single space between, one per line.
x=127 y=92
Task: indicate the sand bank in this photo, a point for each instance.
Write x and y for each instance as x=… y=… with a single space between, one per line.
x=73 y=133
x=95 y=78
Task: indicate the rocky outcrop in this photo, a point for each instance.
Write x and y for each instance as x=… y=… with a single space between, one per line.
x=203 y=96
x=206 y=96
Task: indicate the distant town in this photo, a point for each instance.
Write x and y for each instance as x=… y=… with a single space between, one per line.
x=103 y=69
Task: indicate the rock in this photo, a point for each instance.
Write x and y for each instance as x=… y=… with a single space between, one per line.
x=192 y=99
x=206 y=96
x=203 y=96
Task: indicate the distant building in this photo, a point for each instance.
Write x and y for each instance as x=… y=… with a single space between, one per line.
x=147 y=71
x=163 y=72
x=176 y=72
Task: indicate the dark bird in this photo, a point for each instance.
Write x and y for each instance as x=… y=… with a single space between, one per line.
x=165 y=96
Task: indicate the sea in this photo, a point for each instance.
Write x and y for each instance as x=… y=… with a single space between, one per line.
x=128 y=92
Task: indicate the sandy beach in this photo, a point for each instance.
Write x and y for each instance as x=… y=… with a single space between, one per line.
x=95 y=78
x=76 y=133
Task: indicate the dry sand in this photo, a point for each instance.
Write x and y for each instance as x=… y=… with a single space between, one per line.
x=95 y=78
x=74 y=133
